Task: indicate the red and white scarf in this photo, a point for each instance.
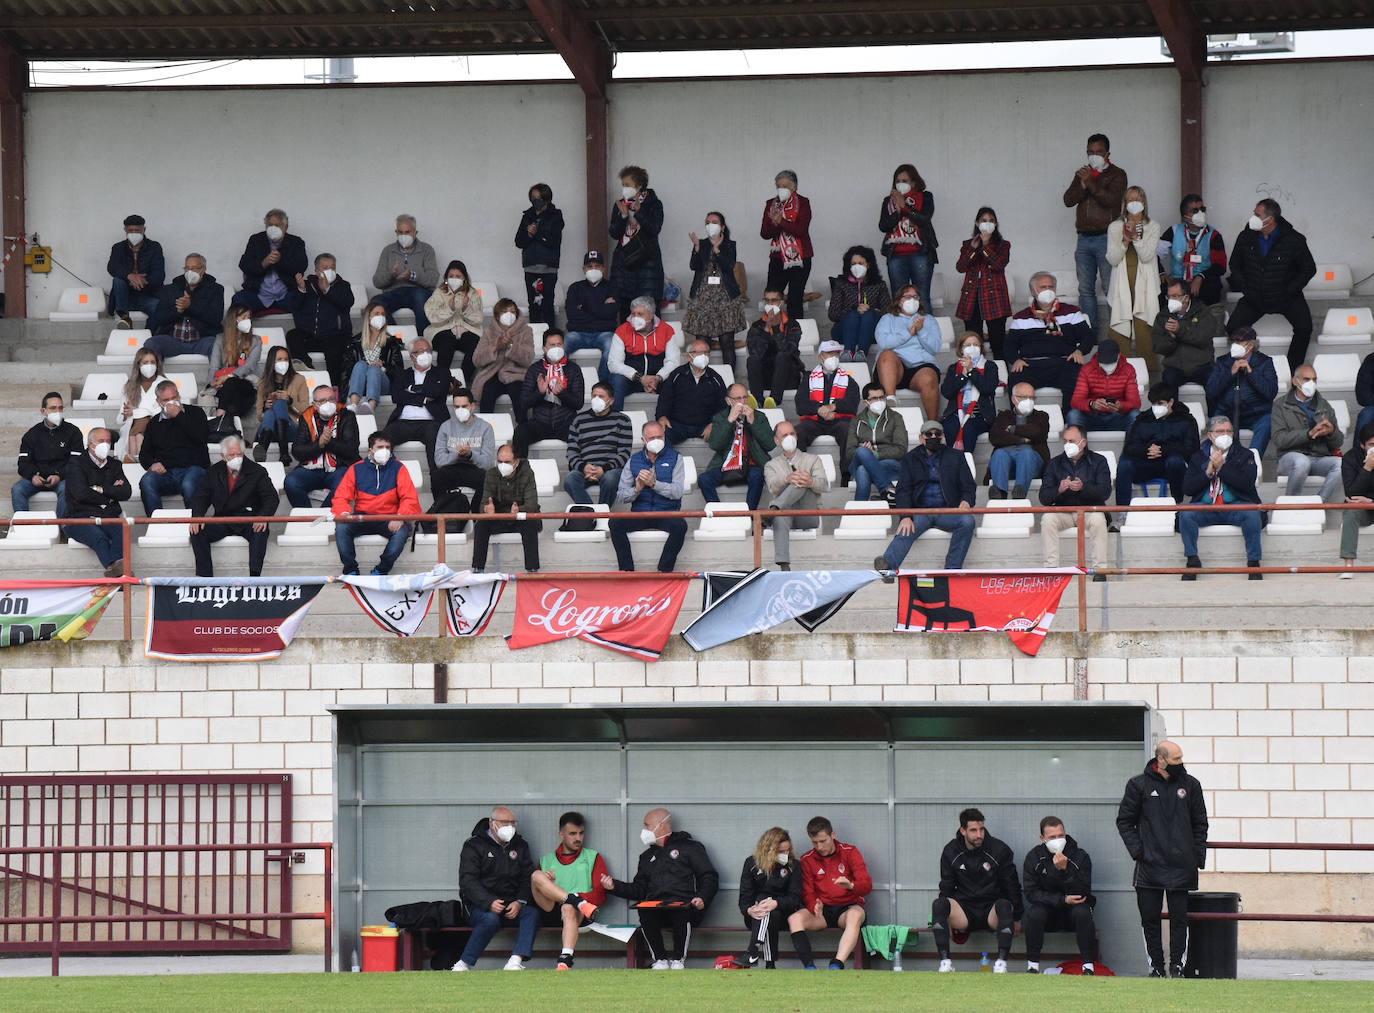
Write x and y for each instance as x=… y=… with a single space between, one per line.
x=326 y=461
x=1190 y=264
x=738 y=457
x=966 y=403
x=553 y=372
x=632 y=226
x=786 y=245
x=904 y=232
x=838 y=385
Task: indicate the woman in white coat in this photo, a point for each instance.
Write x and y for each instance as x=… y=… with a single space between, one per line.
x=1133 y=295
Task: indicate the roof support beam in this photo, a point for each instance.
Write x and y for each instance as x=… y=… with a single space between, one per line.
x=589 y=59
x=1188 y=44
x=14 y=74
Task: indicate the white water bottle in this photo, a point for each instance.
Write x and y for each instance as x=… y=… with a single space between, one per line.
x=896 y=952
x=357 y=967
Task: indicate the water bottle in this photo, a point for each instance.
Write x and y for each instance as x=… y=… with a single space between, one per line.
x=984 y=966
x=896 y=951
x=357 y=967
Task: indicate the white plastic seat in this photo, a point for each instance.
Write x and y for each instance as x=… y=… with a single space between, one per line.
x=410 y=450
x=724 y=522
x=1332 y=281
x=276 y=471
x=727 y=373
x=1109 y=455
x=86 y=424
x=598 y=534
x=308 y=534
x=359 y=298
x=913 y=419
x=451 y=537
x=133 y=474
x=773 y=415
x=830 y=468
x=554 y=450
x=1055 y=411
x=316 y=378
x=1142 y=377
x=590 y=377
x=1007 y=525
x=86 y=303
x=1335 y=371
x=689 y=474
x=1342 y=411
x=639 y=418
x=407 y=333
x=1198 y=409
x=1297 y=522
x=187 y=387
x=937 y=290
x=502 y=426
x=864 y=519
x=860 y=371
x=167 y=535
x=1152 y=523
x=121 y=347
x=31 y=536
x=270 y=336
x=947 y=333
x=810 y=338
x=417 y=473
x=1347 y=325
x=487 y=290
x=111 y=385
x=546 y=477
x=367 y=425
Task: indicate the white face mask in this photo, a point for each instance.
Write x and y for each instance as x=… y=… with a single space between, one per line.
x=783 y=857
x=505 y=468
x=454 y=284
x=830 y=363
x=1109 y=367
x=640 y=323
x=1026 y=405
x=902 y=188
x=148 y=370
x=554 y=353
x=326 y=409
x=192 y=278
x=1175 y=305
x=647 y=837
x=1071 y=450
x=101 y=451
x=594 y=275
x=1222 y=442
x=1159 y=410
x=654 y=446
x=1097 y=162
x=245 y=325
x=973 y=352
x=598 y=405
x=505 y=834
x=1309 y=388
x=380 y=455
x=329 y=275
x=1046 y=297
x=784 y=194
x=1255 y=223
x=507 y=319
x=700 y=361
x=1056 y=845
x=1237 y=350
x=771 y=309
x=628 y=193
x=713 y=229
x=910 y=306
x=858 y=270
x=877 y=406
x=1199 y=220
x=233 y=463
x=274 y=233
x=377 y=322
x=462 y=414
x=134 y=238
x=280 y=367
x=54 y=418
x=789 y=443
x=423 y=360
x=1134 y=207
x=987 y=228
x=406 y=241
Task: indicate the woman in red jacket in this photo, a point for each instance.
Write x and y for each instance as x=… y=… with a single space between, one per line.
x=983 y=263
x=787 y=227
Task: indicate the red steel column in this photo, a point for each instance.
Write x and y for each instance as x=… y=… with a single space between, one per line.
x=14 y=72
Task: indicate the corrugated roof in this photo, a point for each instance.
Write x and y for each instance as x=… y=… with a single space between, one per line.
x=139 y=29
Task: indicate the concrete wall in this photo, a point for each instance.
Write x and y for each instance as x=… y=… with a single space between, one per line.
x=1278 y=726
x=203 y=165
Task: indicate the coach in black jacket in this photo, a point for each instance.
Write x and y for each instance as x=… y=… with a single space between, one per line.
x=494 y=870
x=234 y=487
x=1058 y=876
x=1163 y=823
x=673 y=869
x=932 y=476
x=270 y=263
x=978 y=889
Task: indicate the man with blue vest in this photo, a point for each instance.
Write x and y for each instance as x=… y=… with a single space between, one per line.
x=653 y=480
x=1194 y=253
x=567 y=886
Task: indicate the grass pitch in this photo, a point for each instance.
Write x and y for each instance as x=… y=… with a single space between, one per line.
x=704 y=990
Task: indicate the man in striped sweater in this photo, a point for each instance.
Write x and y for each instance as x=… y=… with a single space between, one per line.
x=599 y=441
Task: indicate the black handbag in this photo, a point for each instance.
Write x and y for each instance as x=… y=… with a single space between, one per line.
x=587 y=523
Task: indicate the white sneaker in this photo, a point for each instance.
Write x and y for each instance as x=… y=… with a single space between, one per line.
x=677 y=965
x=516 y=963
x=460 y=966
x=999 y=966
x=659 y=965
x=946 y=966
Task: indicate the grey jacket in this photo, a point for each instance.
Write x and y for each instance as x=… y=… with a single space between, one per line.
x=475 y=433
x=422 y=268
x=1290 y=426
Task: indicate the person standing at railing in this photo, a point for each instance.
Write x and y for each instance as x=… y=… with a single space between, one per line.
x=1222 y=471
x=1163 y=823
x=95 y=487
x=1077 y=477
x=233 y=487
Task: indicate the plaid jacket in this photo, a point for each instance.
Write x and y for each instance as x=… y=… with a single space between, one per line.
x=985 y=281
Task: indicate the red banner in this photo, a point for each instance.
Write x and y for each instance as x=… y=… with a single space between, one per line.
x=633 y=615
x=1020 y=602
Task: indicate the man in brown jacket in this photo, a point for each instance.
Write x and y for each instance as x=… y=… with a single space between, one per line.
x=508 y=490
x=1019 y=436
x=1095 y=192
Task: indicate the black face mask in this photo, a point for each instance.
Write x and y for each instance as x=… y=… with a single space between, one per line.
x=537 y=204
x=932 y=443
x=1176 y=771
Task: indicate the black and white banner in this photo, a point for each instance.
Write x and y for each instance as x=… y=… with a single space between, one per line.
x=399 y=604
x=205 y=619
x=736 y=604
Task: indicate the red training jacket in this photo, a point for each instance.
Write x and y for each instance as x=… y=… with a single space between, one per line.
x=819 y=875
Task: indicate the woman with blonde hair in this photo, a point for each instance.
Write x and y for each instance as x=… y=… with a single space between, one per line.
x=235 y=362
x=140 y=402
x=1133 y=294
x=770 y=889
x=369 y=360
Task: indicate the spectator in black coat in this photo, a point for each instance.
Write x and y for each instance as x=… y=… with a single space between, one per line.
x=1222 y=471
x=772 y=343
x=932 y=476
x=1243 y=386
x=233 y=487
x=420 y=394
x=1159 y=444
x=494 y=871
x=593 y=312
x=1077 y=477
x=540 y=239
x=970 y=392
x=1357 y=477
x=552 y=394
x=1270 y=265
x=96 y=487
x=271 y=263
x=690 y=397
x=137 y=270
x=636 y=220
x=1364 y=392
x=189 y=314
x=44 y=453
x=174 y=450
x=322 y=317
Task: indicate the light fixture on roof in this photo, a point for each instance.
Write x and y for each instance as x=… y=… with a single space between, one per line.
x=1224 y=47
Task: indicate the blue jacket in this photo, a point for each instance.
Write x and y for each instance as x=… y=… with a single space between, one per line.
x=547 y=242
x=1237 y=473
x=956 y=481
x=650 y=498
x=592 y=309
x=1257 y=388
x=150 y=262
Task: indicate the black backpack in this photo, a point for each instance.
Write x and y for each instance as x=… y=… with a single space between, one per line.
x=455 y=502
x=587 y=523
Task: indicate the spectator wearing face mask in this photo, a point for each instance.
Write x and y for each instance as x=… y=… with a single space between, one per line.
x=507 y=491
x=637 y=261
x=1306 y=437
x=407 y=271
x=1183 y=333
x=1160 y=444
x=1095 y=193
x=742 y=440
x=137 y=270
x=774 y=355
x=599 y=444
x=464 y=449
x=1194 y=253
x=174 y=453
x=271 y=262
x=690 y=397
x=322 y=317
x=233 y=487
x=909 y=243
x=593 y=312
x=140 y=402
x=787 y=227
x=857 y=299
x=1106 y=395
x=371 y=358
x=1049 y=340
x=420 y=394
x=235 y=367
x=983 y=297
x=189 y=314
x=455 y=320
x=652 y=481
x=1133 y=293
x=552 y=395
x=644 y=352
x=1077 y=477
x=827 y=399
x=1364 y=392
x=539 y=237
x=1357 y=478
x=502 y=357
x=378 y=484
x=326 y=446
x=910 y=339
x=1243 y=386
x=282 y=395
x=970 y=390
x=877 y=444
x=1221 y=472
x=1270 y=265
x=1019 y=438
x=932 y=477
x=44 y=453
x=96 y=487
x=714 y=314
x=494 y=870
x=796 y=480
